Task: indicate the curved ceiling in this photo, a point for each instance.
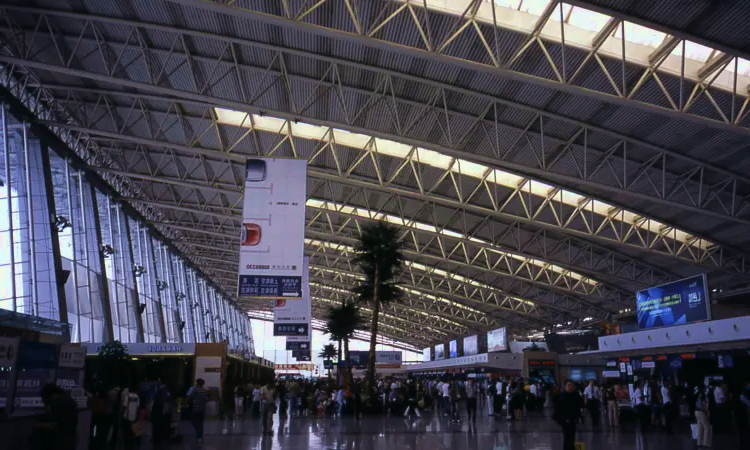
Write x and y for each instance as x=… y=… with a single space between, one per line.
x=543 y=160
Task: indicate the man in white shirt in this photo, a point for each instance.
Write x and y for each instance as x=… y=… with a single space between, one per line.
x=592 y=396
x=534 y=391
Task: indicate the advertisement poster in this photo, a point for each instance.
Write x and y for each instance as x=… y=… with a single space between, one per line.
x=677 y=303
x=453 y=349
x=29 y=387
x=272 y=237
x=439 y=352
x=496 y=341
x=69 y=378
x=426 y=354
x=470 y=345
x=295 y=314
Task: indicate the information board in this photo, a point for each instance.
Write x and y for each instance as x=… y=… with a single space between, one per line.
x=677 y=303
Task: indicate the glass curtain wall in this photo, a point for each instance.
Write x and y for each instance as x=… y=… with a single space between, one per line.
x=27 y=267
x=70 y=252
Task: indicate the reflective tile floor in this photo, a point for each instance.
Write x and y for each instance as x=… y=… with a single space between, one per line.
x=536 y=432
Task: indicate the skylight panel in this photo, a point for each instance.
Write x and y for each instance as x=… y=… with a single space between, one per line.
x=270 y=124
x=433 y=158
x=743 y=66
x=512 y=4
x=470 y=168
x=638 y=34
x=229 y=117
x=391 y=148
x=587 y=19
x=355 y=140
x=566 y=9
x=694 y=51
x=535 y=7
x=308 y=131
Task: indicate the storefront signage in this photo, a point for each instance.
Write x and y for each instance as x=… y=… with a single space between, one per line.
x=611 y=374
x=72 y=357
x=272 y=238
x=300 y=366
x=8 y=351
x=462 y=361
x=541 y=362
x=148 y=349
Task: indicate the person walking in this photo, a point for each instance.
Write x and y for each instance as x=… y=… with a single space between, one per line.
x=446 y=387
x=198 y=398
x=567 y=410
x=161 y=414
x=613 y=409
x=268 y=406
x=703 y=417
x=411 y=399
x=591 y=395
x=471 y=401
x=668 y=407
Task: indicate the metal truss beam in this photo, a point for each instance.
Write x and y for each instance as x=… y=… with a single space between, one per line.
x=605 y=229
x=450 y=244
x=711 y=195
x=424 y=281
x=508 y=71
x=267 y=316
x=507 y=295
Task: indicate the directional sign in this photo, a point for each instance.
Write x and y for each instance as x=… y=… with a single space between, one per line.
x=290 y=329
x=294 y=345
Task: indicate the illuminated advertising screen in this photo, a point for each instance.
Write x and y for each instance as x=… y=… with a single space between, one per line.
x=439 y=352
x=426 y=354
x=496 y=340
x=470 y=345
x=677 y=303
x=453 y=349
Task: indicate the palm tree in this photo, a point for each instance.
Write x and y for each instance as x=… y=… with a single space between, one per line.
x=341 y=323
x=328 y=352
x=378 y=255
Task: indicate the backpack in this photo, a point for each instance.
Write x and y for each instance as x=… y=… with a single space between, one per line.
x=130 y=406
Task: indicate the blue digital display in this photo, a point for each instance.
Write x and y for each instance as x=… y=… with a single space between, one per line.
x=270 y=286
x=677 y=303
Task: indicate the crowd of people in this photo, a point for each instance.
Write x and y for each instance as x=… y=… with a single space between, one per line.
x=652 y=404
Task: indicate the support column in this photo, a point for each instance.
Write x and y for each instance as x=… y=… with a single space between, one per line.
x=60 y=276
x=140 y=335
x=109 y=333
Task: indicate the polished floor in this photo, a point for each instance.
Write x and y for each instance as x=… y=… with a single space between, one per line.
x=536 y=432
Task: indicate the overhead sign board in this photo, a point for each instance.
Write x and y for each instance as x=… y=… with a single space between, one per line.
x=302 y=345
x=676 y=303
x=298 y=366
x=296 y=312
x=272 y=236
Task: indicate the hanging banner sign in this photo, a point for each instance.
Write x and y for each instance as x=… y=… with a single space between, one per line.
x=272 y=237
x=295 y=313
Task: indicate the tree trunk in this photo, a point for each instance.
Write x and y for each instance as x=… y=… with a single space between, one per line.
x=348 y=370
x=370 y=383
x=339 y=378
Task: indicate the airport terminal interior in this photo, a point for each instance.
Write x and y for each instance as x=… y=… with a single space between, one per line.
x=374 y=224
